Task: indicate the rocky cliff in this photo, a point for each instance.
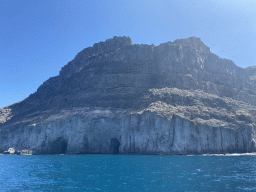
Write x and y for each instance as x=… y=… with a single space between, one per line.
x=119 y=97
x=251 y=72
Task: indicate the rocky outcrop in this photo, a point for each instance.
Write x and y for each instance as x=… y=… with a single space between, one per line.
x=116 y=97
x=12 y=151
x=176 y=122
x=184 y=64
x=251 y=72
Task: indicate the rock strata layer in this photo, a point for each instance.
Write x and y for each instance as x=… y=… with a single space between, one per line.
x=121 y=98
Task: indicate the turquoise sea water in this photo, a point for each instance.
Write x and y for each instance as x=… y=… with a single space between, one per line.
x=127 y=173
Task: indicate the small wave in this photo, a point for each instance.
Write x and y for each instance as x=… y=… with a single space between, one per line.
x=231 y=154
x=218 y=180
x=247 y=188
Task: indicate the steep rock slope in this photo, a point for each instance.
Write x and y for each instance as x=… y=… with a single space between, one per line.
x=116 y=97
x=251 y=72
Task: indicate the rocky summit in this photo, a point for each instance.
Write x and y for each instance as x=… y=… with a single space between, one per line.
x=122 y=98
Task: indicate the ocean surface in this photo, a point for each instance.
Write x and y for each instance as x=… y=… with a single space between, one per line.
x=127 y=173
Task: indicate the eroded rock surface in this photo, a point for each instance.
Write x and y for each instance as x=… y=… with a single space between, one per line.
x=251 y=72
x=116 y=97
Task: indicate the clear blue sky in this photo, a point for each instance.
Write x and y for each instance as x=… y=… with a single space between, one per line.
x=38 y=37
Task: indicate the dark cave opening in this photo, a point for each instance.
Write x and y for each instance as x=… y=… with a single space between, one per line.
x=63 y=149
x=114 y=146
x=59 y=146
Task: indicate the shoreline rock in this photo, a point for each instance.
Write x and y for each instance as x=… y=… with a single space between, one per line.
x=12 y=151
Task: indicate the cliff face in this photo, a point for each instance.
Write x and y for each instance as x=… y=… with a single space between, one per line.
x=251 y=72
x=116 y=97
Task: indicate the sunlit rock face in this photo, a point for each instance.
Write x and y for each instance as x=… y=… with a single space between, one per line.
x=121 y=98
x=251 y=72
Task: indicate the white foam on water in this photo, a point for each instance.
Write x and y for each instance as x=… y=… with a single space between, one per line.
x=218 y=180
x=231 y=154
x=247 y=188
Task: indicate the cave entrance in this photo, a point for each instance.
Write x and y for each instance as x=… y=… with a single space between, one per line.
x=59 y=146
x=63 y=148
x=114 y=146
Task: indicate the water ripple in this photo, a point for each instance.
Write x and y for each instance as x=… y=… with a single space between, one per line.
x=127 y=173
